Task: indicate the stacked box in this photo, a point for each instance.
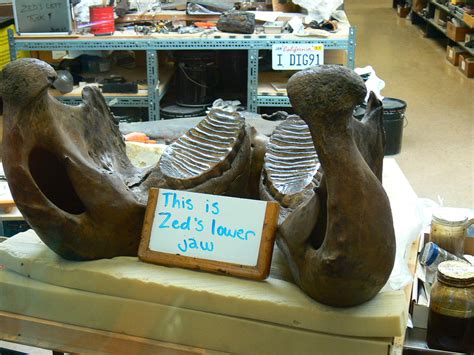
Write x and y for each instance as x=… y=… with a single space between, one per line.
x=468 y=19
x=440 y=15
x=453 y=53
x=419 y=5
x=456 y=33
x=403 y=11
x=466 y=65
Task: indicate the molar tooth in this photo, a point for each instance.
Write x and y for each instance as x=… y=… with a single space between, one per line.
x=291 y=162
x=205 y=151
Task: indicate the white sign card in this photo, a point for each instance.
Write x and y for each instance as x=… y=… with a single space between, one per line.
x=39 y=17
x=209 y=232
x=297 y=56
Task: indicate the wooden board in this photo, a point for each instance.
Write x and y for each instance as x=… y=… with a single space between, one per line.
x=174 y=15
x=166 y=73
x=130 y=34
x=274 y=301
x=258 y=272
x=7 y=206
x=268 y=80
x=6 y=200
x=177 y=15
x=173 y=324
x=69 y=338
x=412 y=259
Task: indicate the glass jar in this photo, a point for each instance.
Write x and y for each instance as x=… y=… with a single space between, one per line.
x=448 y=230
x=451 y=313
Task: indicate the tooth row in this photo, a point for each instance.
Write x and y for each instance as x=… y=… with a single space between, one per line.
x=205 y=151
x=291 y=164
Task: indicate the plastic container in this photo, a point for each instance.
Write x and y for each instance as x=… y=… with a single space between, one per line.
x=273 y=27
x=102 y=20
x=95 y=64
x=196 y=78
x=393 y=123
x=451 y=313
x=64 y=82
x=431 y=256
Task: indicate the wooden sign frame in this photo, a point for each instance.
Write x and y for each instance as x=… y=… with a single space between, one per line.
x=258 y=272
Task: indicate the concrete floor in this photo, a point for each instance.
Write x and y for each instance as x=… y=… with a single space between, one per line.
x=437 y=153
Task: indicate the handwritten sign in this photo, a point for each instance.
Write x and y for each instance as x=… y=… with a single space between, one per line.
x=42 y=16
x=214 y=233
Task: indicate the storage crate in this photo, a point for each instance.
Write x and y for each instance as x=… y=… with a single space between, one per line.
x=5 y=48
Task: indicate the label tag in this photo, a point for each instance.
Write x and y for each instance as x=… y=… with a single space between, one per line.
x=208 y=232
x=297 y=56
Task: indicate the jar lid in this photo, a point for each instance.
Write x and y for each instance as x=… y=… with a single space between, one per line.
x=456 y=273
x=449 y=215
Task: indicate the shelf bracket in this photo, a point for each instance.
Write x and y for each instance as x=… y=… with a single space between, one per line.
x=11 y=44
x=152 y=79
x=252 y=80
x=351 y=48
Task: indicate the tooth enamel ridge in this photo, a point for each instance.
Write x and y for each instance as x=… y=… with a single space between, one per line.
x=291 y=164
x=205 y=151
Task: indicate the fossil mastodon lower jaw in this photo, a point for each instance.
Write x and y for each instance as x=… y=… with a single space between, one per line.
x=69 y=173
x=345 y=258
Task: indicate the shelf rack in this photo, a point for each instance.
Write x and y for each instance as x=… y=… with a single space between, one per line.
x=451 y=10
x=155 y=43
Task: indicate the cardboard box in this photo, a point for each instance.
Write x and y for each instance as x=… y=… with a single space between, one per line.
x=419 y=5
x=469 y=246
x=46 y=56
x=456 y=33
x=466 y=66
x=337 y=56
x=440 y=15
x=6 y=10
x=453 y=53
x=403 y=11
x=469 y=20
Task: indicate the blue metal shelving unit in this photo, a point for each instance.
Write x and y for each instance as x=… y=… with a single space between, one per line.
x=153 y=44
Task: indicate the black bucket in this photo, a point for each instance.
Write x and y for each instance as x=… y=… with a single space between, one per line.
x=175 y=111
x=195 y=78
x=393 y=123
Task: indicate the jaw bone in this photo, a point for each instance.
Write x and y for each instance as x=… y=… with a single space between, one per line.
x=335 y=225
x=69 y=174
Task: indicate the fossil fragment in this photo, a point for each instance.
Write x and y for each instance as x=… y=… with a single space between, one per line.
x=335 y=229
x=236 y=22
x=69 y=174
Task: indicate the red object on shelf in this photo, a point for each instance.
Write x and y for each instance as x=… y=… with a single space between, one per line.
x=102 y=20
x=205 y=24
